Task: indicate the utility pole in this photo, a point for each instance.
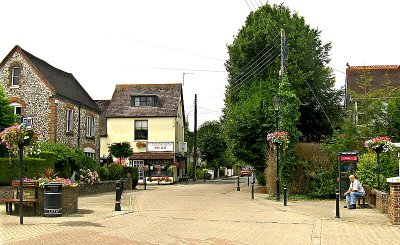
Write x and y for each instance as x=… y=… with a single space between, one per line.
x=283 y=53
x=195 y=139
x=183 y=77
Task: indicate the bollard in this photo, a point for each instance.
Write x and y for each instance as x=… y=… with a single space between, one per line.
x=238 y=184
x=248 y=179
x=254 y=178
x=337 y=203
x=204 y=177
x=284 y=195
x=145 y=182
x=122 y=186
x=252 y=191
x=118 y=196
x=187 y=178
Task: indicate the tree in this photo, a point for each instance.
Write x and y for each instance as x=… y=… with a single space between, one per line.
x=253 y=80
x=211 y=143
x=120 y=150
x=7 y=117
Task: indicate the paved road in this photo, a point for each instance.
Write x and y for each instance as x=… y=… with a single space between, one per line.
x=201 y=213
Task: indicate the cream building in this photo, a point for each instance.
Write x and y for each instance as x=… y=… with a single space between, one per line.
x=151 y=118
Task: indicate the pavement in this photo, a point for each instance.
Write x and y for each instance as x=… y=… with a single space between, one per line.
x=200 y=213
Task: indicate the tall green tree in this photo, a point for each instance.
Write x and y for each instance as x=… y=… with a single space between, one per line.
x=211 y=143
x=7 y=117
x=254 y=78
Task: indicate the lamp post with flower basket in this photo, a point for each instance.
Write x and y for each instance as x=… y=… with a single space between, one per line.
x=16 y=138
x=379 y=145
x=276 y=102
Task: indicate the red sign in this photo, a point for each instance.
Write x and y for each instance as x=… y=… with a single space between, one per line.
x=348 y=158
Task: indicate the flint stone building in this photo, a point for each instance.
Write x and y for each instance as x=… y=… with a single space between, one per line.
x=60 y=107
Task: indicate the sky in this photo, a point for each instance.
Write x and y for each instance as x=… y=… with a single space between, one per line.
x=104 y=43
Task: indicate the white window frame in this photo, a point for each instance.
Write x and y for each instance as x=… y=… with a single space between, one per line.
x=90 y=152
x=16 y=105
x=70 y=120
x=13 y=76
x=90 y=126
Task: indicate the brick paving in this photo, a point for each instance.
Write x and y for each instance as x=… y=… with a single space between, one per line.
x=200 y=213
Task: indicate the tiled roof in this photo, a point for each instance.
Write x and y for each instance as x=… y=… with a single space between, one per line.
x=168 y=97
x=103 y=105
x=64 y=83
x=379 y=73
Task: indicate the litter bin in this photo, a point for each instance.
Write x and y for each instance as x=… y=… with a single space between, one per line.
x=52 y=199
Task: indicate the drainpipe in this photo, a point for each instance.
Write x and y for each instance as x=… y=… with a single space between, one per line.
x=79 y=125
x=56 y=122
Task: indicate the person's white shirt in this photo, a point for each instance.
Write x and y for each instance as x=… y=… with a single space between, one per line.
x=356 y=186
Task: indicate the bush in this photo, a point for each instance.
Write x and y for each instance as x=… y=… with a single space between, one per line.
x=115 y=171
x=69 y=159
x=367 y=167
x=103 y=172
x=32 y=168
x=133 y=171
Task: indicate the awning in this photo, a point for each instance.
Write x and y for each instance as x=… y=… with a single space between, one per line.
x=152 y=155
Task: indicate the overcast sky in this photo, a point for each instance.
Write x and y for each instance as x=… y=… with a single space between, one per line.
x=104 y=43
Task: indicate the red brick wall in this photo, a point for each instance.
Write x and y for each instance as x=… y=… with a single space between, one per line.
x=394 y=203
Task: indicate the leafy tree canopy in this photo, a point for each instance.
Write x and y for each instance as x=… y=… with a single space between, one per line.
x=211 y=143
x=7 y=117
x=120 y=150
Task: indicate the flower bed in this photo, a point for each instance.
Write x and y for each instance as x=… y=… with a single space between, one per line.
x=162 y=180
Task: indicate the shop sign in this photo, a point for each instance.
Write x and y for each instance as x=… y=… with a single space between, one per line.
x=160 y=146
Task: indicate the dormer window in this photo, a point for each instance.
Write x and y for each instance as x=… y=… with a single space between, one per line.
x=15 y=76
x=143 y=101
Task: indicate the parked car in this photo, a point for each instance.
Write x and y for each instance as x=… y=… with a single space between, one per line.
x=245 y=171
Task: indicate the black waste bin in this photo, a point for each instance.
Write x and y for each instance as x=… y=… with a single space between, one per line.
x=52 y=199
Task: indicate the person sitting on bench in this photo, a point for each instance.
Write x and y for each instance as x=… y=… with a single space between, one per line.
x=355 y=190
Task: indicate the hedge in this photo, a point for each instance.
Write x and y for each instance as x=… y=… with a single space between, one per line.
x=32 y=167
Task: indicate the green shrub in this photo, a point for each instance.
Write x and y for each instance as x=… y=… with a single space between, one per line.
x=133 y=171
x=69 y=159
x=50 y=157
x=115 y=171
x=367 y=169
x=32 y=168
x=103 y=172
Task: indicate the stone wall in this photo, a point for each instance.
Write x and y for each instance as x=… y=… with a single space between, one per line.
x=32 y=91
x=103 y=186
x=72 y=138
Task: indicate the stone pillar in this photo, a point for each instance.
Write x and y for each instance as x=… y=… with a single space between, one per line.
x=394 y=200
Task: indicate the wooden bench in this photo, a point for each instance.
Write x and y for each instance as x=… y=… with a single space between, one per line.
x=8 y=201
x=367 y=190
x=28 y=198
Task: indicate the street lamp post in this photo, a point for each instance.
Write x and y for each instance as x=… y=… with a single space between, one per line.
x=276 y=101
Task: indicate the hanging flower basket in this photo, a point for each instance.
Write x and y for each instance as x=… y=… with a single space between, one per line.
x=278 y=138
x=19 y=135
x=379 y=144
x=140 y=144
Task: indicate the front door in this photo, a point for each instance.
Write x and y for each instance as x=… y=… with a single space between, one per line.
x=139 y=164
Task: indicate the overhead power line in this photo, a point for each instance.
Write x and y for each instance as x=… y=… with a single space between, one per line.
x=179 y=69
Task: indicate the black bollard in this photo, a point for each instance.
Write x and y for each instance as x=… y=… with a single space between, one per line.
x=254 y=179
x=248 y=179
x=238 y=184
x=284 y=195
x=252 y=191
x=187 y=178
x=145 y=182
x=204 y=177
x=122 y=186
x=337 y=203
x=118 y=196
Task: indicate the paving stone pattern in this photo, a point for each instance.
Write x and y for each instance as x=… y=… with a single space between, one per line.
x=200 y=213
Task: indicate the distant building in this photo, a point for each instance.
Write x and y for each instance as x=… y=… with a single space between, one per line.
x=60 y=107
x=367 y=79
x=151 y=118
